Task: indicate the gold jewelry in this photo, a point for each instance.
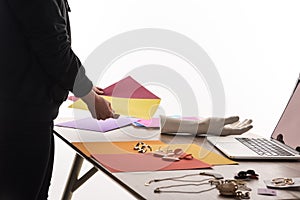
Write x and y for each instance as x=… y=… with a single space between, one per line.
x=282 y=181
x=226 y=188
x=159 y=189
x=178 y=178
x=233 y=189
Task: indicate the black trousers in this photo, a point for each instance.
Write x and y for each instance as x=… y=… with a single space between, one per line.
x=26 y=160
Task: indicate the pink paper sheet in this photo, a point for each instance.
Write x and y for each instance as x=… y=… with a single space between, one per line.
x=129 y=88
x=145 y=162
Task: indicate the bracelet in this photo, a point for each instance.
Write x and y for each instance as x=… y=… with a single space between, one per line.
x=282 y=181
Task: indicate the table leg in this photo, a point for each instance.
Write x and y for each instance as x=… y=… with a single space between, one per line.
x=73 y=182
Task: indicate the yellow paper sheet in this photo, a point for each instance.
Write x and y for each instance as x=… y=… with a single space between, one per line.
x=89 y=148
x=139 y=108
x=198 y=152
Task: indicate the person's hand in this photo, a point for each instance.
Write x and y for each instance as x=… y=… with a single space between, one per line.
x=212 y=126
x=98 y=90
x=97 y=105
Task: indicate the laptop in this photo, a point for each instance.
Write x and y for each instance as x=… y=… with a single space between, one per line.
x=283 y=144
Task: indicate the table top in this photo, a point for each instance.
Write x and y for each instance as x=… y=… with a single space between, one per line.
x=134 y=181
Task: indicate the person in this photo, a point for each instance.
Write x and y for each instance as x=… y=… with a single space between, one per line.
x=38 y=69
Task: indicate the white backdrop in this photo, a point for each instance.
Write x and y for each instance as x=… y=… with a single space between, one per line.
x=255 y=46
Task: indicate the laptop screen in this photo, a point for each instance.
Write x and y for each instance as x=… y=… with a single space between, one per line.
x=287 y=130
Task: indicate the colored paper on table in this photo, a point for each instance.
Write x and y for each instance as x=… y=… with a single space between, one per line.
x=129 y=98
x=144 y=162
x=198 y=152
x=98 y=125
x=126 y=147
x=72 y=98
x=150 y=123
x=136 y=124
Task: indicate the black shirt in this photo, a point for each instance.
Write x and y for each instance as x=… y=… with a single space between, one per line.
x=38 y=66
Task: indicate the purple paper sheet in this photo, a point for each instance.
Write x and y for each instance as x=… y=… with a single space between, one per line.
x=98 y=125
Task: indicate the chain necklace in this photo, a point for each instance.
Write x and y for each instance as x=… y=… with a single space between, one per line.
x=178 y=178
x=159 y=189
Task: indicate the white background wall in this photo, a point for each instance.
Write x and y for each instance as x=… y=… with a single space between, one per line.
x=255 y=46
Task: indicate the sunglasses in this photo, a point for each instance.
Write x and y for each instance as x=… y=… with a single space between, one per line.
x=249 y=174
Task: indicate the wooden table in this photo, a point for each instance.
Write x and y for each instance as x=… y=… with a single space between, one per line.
x=134 y=181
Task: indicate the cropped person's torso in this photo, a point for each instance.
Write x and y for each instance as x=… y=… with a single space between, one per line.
x=25 y=88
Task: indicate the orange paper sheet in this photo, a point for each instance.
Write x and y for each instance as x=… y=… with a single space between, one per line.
x=198 y=152
x=144 y=162
x=89 y=148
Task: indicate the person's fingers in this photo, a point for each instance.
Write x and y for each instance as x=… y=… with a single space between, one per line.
x=244 y=123
x=230 y=120
x=249 y=121
x=107 y=114
x=111 y=110
x=235 y=124
x=98 y=90
x=244 y=129
x=240 y=123
x=238 y=131
x=235 y=131
x=115 y=116
x=104 y=115
x=101 y=107
x=109 y=105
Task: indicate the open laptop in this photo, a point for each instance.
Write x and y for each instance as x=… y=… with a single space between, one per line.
x=283 y=144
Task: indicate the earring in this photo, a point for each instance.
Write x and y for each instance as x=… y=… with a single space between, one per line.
x=142 y=147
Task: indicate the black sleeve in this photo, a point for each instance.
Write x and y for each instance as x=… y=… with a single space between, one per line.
x=46 y=30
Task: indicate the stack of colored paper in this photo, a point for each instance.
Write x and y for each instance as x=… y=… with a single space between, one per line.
x=97 y=125
x=129 y=98
x=121 y=156
x=148 y=123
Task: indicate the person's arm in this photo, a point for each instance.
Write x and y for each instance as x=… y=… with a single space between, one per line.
x=45 y=28
x=46 y=31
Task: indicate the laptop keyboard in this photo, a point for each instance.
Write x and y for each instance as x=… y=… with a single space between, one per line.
x=264 y=147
